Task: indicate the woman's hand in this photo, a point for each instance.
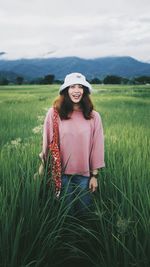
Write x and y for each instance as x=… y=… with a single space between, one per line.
x=93 y=184
x=40 y=172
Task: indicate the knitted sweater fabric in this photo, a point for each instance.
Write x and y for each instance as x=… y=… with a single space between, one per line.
x=81 y=142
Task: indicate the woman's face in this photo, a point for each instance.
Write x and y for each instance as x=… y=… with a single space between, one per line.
x=75 y=92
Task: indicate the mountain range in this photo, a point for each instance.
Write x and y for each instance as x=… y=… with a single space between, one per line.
x=127 y=67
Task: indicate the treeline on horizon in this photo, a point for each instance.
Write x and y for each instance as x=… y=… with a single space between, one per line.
x=50 y=79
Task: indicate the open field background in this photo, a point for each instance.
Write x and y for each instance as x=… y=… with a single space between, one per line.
x=34 y=229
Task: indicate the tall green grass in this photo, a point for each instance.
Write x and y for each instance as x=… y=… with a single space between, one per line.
x=35 y=228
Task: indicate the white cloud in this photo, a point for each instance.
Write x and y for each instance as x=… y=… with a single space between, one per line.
x=36 y=28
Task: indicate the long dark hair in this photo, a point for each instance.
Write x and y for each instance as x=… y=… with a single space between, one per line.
x=64 y=105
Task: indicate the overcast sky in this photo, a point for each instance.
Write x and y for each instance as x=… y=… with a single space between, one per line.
x=83 y=28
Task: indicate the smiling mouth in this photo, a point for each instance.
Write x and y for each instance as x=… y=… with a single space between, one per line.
x=76 y=96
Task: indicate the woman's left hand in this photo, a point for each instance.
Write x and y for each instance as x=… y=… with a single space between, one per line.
x=93 y=184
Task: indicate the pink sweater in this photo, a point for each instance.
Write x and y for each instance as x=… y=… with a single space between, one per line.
x=81 y=142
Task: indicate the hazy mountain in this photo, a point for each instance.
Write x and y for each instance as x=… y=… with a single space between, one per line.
x=98 y=67
x=11 y=76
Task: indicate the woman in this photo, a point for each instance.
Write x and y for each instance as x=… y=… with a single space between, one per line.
x=81 y=139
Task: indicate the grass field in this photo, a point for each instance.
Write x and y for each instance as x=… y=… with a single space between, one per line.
x=35 y=229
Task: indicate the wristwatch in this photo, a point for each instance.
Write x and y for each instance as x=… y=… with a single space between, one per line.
x=94 y=174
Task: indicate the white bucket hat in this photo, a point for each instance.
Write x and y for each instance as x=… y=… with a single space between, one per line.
x=75 y=78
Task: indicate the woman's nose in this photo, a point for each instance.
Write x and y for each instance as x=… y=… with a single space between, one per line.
x=76 y=87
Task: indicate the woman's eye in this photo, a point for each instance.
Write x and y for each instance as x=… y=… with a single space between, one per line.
x=73 y=86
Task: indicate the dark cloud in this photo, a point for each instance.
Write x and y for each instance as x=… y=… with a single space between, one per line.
x=2 y=53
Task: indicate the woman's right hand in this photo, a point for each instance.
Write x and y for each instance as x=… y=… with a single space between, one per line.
x=40 y=172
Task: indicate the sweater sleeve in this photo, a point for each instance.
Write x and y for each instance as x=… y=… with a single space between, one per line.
x=97 y=150
x=47 y=133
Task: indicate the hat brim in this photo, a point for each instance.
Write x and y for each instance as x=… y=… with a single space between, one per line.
x=85 y=83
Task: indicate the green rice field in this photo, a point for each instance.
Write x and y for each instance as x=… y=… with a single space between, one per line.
x=35 y=228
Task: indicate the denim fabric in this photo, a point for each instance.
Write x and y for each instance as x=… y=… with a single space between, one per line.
x=75 y=190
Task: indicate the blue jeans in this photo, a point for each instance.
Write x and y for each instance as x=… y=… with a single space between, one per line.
x=76 y=193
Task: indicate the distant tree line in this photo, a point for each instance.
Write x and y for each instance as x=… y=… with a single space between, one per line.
x=19 y=80
x=50 y=79
x=113 y=79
